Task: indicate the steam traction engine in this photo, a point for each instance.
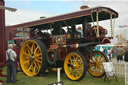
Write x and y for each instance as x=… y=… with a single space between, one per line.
x=56 y=42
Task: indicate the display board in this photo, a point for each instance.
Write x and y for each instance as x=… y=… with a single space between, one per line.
x=109 y=70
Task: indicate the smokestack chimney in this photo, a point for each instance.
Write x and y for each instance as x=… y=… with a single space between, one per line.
x=84 y=7
x=42 y=17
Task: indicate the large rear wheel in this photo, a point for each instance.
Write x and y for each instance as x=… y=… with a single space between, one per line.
x=75 y=66
x=33 y=57
x=95 y=66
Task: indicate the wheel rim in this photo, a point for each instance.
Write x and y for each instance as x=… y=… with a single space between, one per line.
x=31 y=58
x=95 y=67
x=74 y=66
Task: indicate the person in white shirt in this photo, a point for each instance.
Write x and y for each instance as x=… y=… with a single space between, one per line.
x=102 y=49
x=11 y=65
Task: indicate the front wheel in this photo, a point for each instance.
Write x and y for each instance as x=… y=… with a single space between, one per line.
x=33 y=55
x=75 y=66
x=95 y=66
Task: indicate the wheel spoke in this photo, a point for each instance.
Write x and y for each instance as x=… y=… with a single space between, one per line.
x=37 y=60
x=93 y=59
x=100 y=58
x=92 y=64
x=97 y=70
x=25 y=58
x=101 y=66
x=33 y=67
x=26 y=62
x=36 y=66
x=28 y=46
x=37 y=55
x=73 y=73
x=29 y=67
x=36 y=49
x=73 y=57
x=76 y=59
x=92 y=67
x=77 y=72
x=29 y=52
x=33 y=47
x=26 y=54
x=96 y=58
x=71 y=61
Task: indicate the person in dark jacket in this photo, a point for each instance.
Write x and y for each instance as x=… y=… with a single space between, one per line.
x=126 y=55
x=120 y=53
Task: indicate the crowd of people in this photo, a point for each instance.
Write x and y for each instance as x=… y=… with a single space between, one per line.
x=118 y=52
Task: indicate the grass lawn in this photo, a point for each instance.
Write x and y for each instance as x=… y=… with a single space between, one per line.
x=46 y=79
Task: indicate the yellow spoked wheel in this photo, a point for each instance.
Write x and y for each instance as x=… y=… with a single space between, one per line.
x=32 y=57
x=95 y=67
x=75 y=66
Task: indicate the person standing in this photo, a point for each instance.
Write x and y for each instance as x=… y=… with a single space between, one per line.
x=102 y=49
x=109 y=53
x=120 y=53
x=114 y=52
x=126 y=55
x=11 y=65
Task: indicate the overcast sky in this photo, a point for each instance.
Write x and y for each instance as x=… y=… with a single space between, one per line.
x=29 y=10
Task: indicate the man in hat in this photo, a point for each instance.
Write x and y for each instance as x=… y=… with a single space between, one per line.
x=11 y=65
